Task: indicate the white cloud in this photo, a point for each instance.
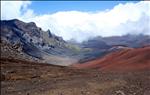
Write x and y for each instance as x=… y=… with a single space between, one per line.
x=126 y=18
x=15 y=9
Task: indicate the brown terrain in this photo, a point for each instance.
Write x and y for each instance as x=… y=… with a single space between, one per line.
x=25 y=69
x=123 y=60
x=27 y=78
x=20 y=77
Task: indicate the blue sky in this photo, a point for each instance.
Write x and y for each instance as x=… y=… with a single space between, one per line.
x=42 y=7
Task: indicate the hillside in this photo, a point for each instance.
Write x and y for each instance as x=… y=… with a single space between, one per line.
x=34 y=43
x=19 y=77
x=101 y=46
x=28 y=41
x=122 y=60
x=31 y=58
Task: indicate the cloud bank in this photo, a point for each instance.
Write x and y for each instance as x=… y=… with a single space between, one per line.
x=15 y=9
x=129 y=18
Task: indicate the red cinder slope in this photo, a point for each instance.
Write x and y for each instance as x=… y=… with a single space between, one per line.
x=123 y=60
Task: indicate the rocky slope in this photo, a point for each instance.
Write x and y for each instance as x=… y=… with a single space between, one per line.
x=34 y=43
x=15 y=51
x=100 y=46
x=123 y=60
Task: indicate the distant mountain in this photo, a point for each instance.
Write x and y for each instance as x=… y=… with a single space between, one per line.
x=100 y=46
x=129 y=40
x=95 y=43
x=122 y=60
x=134 y=41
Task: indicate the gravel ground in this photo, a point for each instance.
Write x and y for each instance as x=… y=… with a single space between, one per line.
x=20 y=77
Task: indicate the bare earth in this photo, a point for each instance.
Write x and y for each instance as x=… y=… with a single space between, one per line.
x=28 y=78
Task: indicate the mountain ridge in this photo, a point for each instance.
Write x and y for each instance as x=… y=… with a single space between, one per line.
x=35 y=43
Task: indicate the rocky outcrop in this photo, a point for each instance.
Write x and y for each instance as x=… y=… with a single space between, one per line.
x=15 y=51
x=33 y=42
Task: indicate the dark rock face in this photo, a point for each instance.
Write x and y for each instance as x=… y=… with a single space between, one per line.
x=49 y=33
x=22 y=27
x=16 y=32
x=29 y=37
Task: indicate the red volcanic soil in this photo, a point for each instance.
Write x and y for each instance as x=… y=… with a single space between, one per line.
x=123 y=60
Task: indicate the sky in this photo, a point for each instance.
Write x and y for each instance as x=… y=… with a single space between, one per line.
x=41 y=7
x=81 y=20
